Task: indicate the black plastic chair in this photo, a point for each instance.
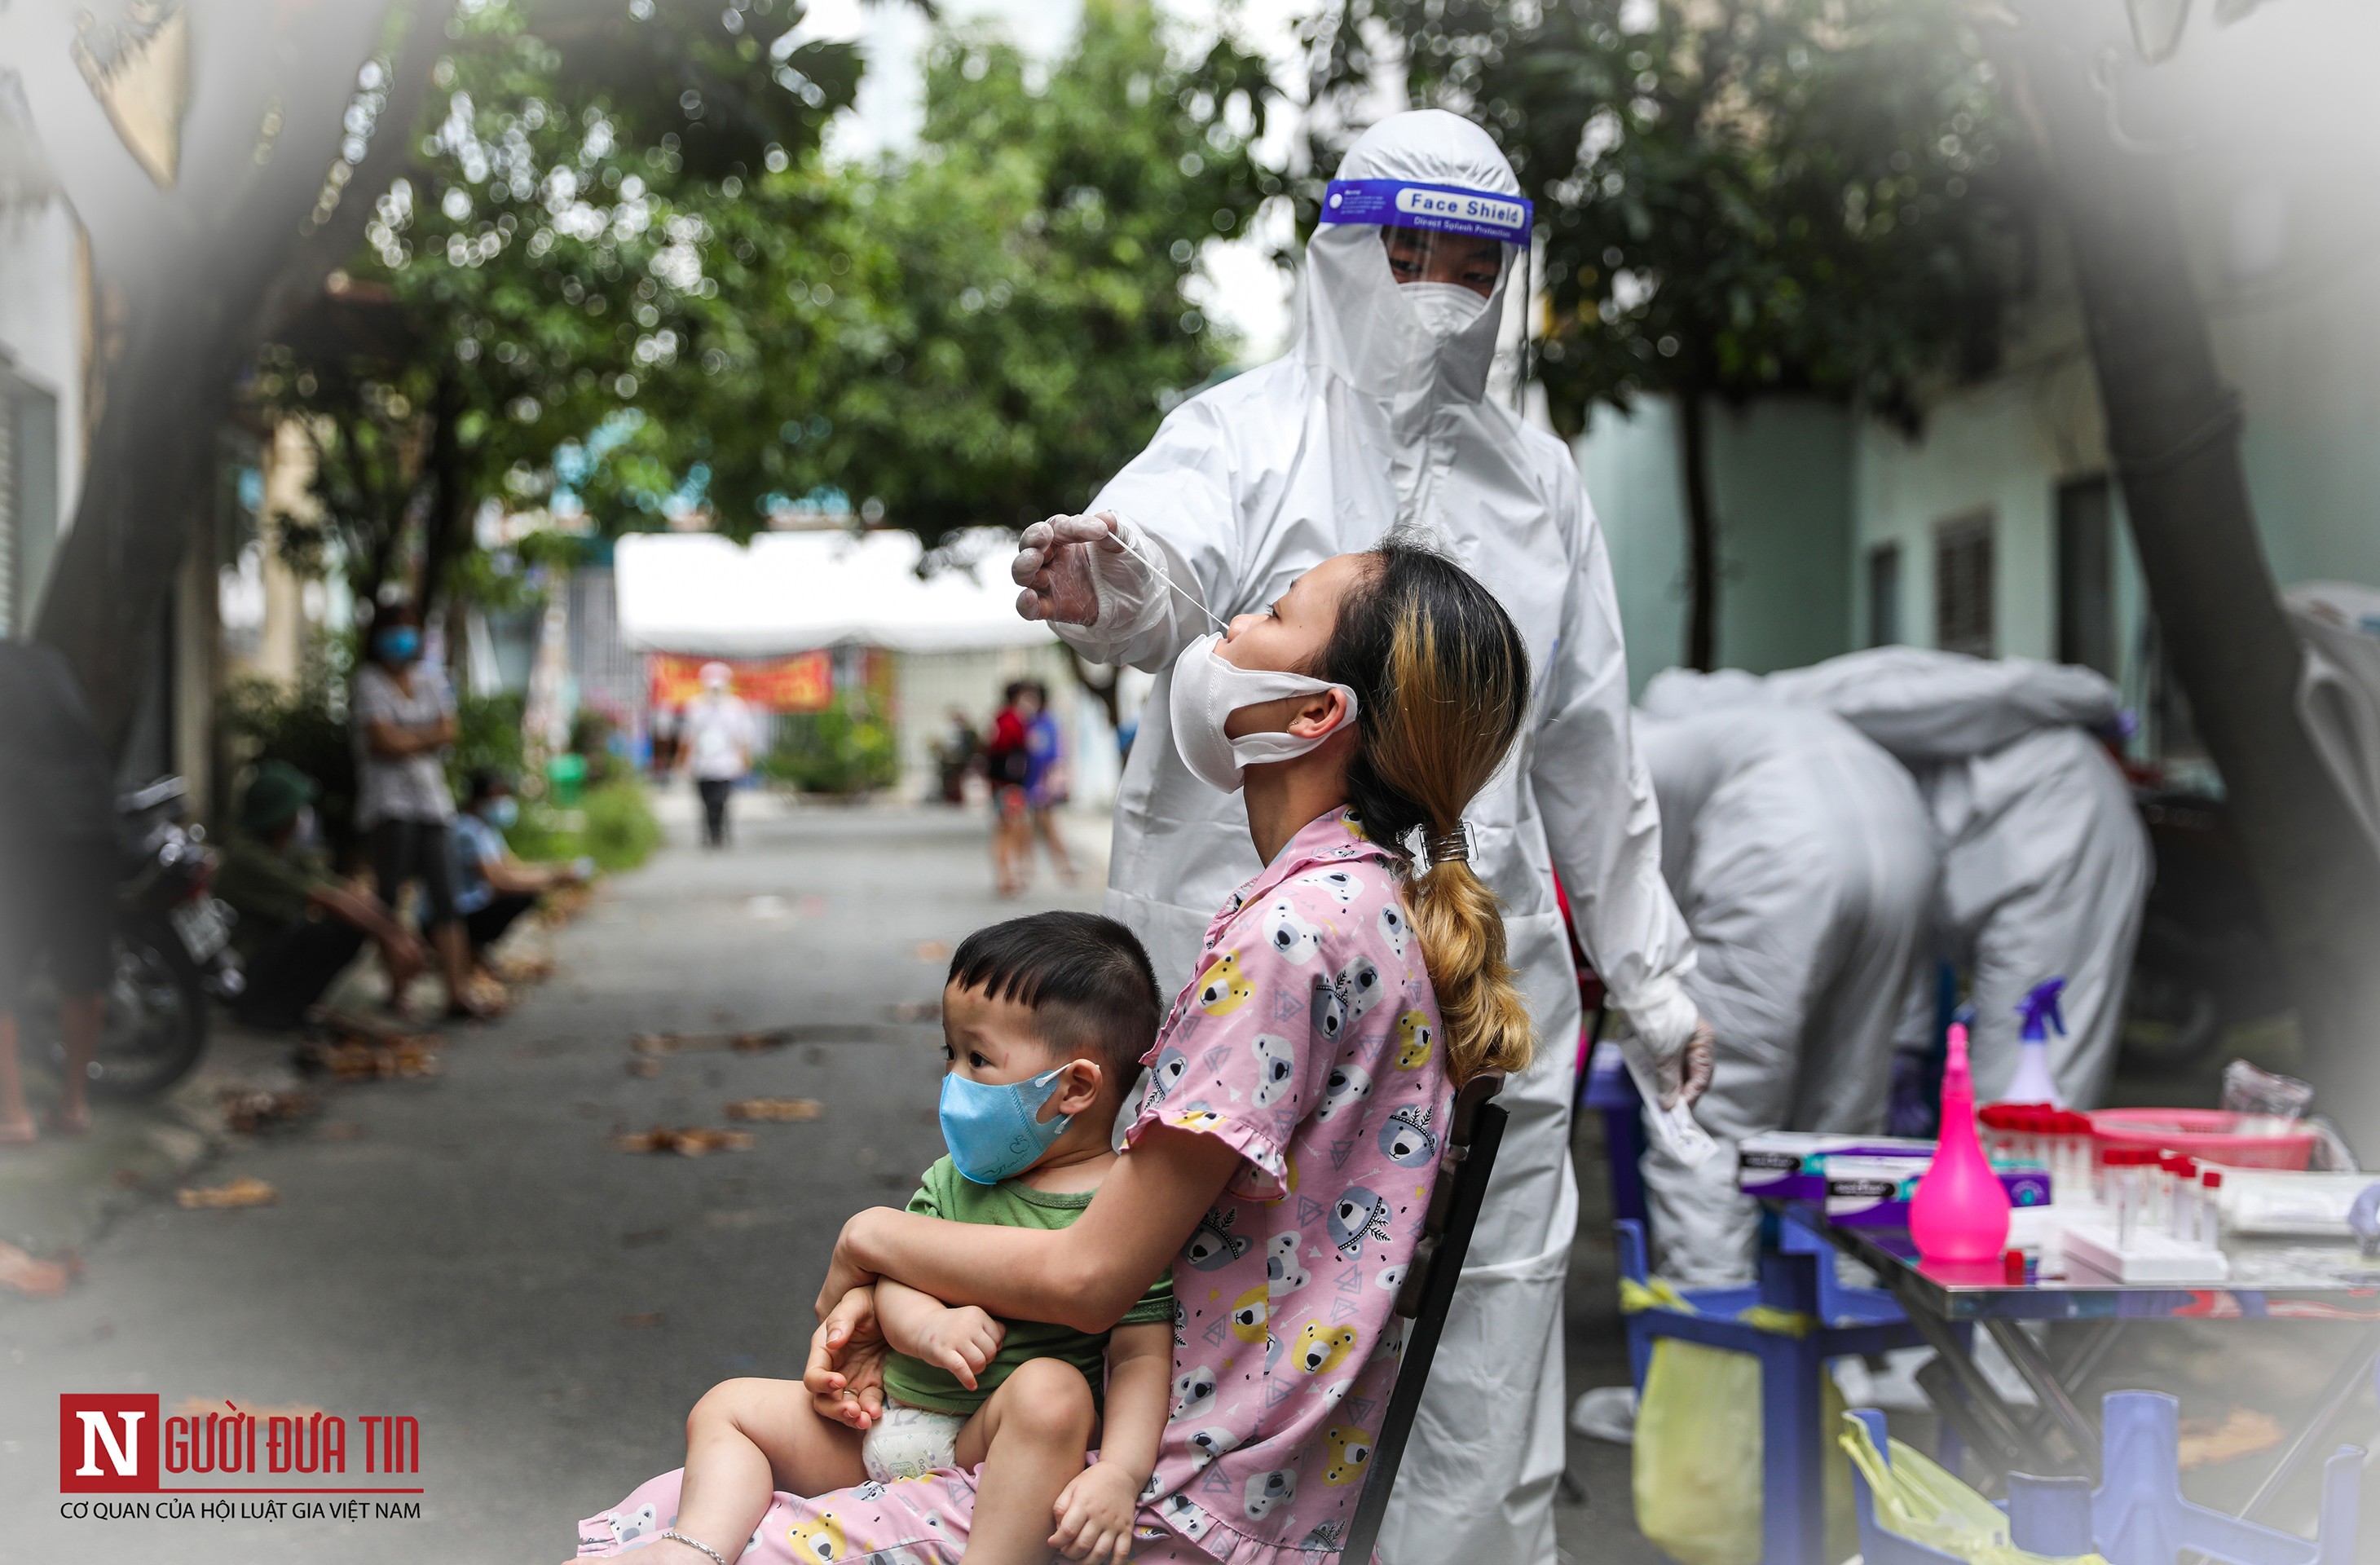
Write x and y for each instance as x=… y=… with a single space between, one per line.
x=1475 y=1130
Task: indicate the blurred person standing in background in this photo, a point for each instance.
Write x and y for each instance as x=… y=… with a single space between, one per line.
x=1008 y=761
x=57 y=873
x=716 y=737
x=403 y=717
x=1048 y=782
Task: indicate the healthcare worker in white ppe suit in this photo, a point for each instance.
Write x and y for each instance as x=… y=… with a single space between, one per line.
x=2046 y=865
x=1802 y=857
x=1377 y=419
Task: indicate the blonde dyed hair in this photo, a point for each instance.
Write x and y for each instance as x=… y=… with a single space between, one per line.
x=1443 y=681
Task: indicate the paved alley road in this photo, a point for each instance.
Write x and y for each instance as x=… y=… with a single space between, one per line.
x=474 y=1253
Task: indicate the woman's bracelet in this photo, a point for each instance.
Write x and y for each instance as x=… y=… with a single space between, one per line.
x=717 y=1557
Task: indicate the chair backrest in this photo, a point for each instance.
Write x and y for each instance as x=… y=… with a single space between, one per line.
x=1473 y=1135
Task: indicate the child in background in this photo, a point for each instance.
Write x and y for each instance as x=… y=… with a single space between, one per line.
x=1044 y=1020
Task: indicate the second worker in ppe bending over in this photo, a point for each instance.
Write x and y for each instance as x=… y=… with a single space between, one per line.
x=1377 y=420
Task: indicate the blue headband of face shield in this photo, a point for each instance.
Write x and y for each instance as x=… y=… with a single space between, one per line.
x=1446 y=208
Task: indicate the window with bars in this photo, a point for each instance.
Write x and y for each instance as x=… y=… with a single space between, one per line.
x=2087 y=581
x=1884 y=595
x=1962 y=584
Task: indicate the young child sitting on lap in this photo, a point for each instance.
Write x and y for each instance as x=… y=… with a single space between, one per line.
x=1044 y=1022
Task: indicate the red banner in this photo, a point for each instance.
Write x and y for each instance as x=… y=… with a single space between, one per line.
x=803 y=683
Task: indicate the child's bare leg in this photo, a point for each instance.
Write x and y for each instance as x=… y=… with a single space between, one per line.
x=1030 y=1438
x=745 y=1439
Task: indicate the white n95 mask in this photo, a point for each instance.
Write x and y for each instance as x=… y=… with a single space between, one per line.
x=1206 y=691
x=1444 y=309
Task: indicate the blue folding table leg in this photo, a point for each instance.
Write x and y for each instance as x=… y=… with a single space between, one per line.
x=1793 y=1483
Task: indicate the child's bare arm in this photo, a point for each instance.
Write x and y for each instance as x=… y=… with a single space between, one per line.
x=1094 y=1514
x=961 y=1340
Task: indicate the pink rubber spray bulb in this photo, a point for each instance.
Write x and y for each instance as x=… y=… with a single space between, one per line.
x=1959 y=1212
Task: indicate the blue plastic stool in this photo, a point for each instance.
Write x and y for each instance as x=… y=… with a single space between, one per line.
x=2137 y=1515
x=1798 y=1277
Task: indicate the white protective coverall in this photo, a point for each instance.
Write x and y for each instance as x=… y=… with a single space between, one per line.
x=1802 y=857
x=2044 y=861
x=1372 y=422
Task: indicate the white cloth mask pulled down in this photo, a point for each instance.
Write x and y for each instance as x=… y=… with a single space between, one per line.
x=1207 y=690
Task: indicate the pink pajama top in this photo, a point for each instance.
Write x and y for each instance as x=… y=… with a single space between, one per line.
x=1309 y=1042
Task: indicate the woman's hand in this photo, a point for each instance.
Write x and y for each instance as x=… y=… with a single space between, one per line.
x=1094 y=1514
x=846 y=1372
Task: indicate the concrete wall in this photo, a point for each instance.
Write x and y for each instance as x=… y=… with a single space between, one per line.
x=1780 y=484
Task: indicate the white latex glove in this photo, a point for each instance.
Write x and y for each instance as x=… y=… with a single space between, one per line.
x=1686 y=1074
x=1077 y=570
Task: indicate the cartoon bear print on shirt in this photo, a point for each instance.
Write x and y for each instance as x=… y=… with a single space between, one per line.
x=1414 y=1035
x=1193 y=1394
x=1406 y=1140
x=1292 y=939
x=1248 y=1312
x=1357 y=1215
x=1397 y=927
x=1188 y=1519
x=1266 y=1491
x=1321 y=1349
x=1166 y=1074
x=1349 y=1448
x=1210 y=1443
x=1282 y=1274
x=819 y=1541
x=1277 y=1059
x=1223 y=989
x=1213 y=1245
x=1348 y=1085
x=1340 y=884
x=1358 y=986
x=628 y=1525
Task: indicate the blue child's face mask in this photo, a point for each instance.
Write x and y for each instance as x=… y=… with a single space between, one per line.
x=502 y=812
x=399 y=644
x=995 y=1133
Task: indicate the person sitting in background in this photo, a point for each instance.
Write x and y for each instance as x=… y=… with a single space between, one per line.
x=491 y=886
x=299 y=929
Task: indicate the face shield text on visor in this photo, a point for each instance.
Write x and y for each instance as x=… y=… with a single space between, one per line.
x=1447 y=247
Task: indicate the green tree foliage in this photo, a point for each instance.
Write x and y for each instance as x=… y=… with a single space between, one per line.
x=1735 y=197
x=982 y=331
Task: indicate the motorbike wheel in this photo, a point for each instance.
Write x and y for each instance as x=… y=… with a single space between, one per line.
x=155 y=1026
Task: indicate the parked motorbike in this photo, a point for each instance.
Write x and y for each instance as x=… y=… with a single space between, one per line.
x=171 y=952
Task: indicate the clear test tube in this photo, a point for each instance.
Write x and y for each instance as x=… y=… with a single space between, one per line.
x=2123 y=1185
x=2182 y=1213
x=2210 y=1209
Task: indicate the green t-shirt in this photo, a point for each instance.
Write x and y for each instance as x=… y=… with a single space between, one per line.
x=1010 y=1203
x=267 y=887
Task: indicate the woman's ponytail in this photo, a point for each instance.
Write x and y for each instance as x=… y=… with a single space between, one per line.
x=1442 y=682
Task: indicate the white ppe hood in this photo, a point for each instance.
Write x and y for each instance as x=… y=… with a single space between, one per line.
x=1372 y=422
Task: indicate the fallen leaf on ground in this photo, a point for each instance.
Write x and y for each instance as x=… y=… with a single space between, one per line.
x=564 y=904
x=247 y=1110
x=2241 y=1432
x=525 y=969
x=644 y=1067
x=778 y=1109
x=32 y=1277
x=242 y=1191
x=933 y=950
x=356 y=1060
x=641 y=1319
x=690 y=1141
x=709 y=1043
x=338 y=1130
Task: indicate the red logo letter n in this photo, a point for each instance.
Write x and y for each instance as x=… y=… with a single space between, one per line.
x=107 y=1444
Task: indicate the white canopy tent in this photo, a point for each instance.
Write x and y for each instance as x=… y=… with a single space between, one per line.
x=701 y=594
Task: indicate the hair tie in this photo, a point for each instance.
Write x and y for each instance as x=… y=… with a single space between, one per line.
x=1454 y=846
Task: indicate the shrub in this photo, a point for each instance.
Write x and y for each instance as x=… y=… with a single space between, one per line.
x=843 y=751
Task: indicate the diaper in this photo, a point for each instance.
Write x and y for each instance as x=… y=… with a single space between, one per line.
x=909 y=1442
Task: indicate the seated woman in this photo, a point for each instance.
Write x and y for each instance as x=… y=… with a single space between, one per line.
x=1281 y=1160
x=492 y=887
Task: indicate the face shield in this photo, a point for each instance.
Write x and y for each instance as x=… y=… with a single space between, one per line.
x=1449 y=250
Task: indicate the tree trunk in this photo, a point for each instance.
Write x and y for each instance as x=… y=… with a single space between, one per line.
x=182 y=274
x=1702 y=534
x=2172 y=430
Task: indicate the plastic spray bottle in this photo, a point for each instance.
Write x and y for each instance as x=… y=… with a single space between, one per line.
x=1959 y=1212
x=2043 y=1019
